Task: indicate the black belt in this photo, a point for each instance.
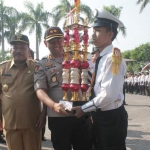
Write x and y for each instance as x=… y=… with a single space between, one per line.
x=112 y=110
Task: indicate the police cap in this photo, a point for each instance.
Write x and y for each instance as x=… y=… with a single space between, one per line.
x=53 y=32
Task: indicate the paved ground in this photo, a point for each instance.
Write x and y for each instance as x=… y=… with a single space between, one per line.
x=139 y=124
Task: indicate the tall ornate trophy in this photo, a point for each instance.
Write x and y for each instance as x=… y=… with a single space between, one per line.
x=75 y=70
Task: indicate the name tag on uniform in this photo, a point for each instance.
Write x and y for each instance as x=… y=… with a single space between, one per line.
x=6 y=75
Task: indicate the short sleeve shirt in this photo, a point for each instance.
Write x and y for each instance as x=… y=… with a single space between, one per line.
x=48 y=76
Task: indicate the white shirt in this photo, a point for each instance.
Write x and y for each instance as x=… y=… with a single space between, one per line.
x=146 y=78
x=108 y=88
x=128 y=80
x=139 y=78
x=135 y=79
x=131 y=79
x=142 y=79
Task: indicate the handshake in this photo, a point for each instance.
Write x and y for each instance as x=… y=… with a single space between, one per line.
x=66 y=108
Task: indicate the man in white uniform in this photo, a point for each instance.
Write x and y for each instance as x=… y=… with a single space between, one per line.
x=107 y=95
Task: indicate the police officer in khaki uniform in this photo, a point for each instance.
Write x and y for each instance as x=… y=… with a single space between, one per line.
x=67 y=132
x=21 y=108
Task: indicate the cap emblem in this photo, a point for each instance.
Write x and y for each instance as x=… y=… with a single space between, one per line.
x=18 y=36
x=51 y=31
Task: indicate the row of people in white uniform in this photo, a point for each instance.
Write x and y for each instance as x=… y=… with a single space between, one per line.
x=138 y=83
x=140 y=78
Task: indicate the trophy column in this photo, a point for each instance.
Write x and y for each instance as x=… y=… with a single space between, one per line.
x=75 y=70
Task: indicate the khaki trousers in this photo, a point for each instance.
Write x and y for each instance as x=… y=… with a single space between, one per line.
x=23 y=139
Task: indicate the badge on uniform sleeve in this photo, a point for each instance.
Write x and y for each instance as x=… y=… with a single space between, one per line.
x=116 y=61
x=54 y=79
x=36 y=68
x=5 y=87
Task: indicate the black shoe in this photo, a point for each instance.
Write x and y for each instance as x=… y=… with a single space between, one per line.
x=2 y=140
x=43 y=139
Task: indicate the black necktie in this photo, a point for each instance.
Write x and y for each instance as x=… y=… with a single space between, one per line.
x=96 y=68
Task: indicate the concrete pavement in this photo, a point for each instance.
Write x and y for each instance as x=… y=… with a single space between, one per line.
x=138 y=129
x=139 y=122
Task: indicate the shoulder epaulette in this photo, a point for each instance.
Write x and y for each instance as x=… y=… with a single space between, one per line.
x=33 y=60
x=45 y=57
x=3 y=62
x=116 y=60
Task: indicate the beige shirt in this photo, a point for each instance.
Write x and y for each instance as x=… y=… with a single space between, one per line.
x=20 y=105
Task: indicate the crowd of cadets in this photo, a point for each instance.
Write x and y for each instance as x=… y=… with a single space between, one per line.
x=137 y=83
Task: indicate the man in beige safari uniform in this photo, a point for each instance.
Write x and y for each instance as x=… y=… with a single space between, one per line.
x=20 y=106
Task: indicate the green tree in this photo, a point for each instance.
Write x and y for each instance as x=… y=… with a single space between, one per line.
x=116 y=11
x=143 y=4
x=60 y=11
x=130 y=68
x=7 y=54
x=141 y=53
x=5 y=12
x=13 y=25
x=0 y=33
x=127 y=54
x=35 y=20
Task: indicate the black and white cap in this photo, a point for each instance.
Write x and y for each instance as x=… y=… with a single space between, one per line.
x=104 y=18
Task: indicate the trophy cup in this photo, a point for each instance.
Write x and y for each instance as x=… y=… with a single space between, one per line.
x=75 y=70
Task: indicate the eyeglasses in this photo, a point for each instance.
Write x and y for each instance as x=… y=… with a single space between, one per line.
x=55 y=40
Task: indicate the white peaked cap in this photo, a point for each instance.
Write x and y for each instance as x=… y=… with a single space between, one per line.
x=103 y=17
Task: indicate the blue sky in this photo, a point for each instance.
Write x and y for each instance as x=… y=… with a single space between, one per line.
x=137 y=24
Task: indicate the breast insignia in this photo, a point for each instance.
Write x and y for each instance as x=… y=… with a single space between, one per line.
x=5 y=87
x=54 y=79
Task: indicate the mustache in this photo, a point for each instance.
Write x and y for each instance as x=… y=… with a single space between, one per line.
x=18 y=54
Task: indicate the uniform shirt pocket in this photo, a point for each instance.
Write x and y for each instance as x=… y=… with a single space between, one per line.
x=29 y=78
x=7 y=85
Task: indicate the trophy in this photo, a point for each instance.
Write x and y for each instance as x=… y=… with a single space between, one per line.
x=75 y=69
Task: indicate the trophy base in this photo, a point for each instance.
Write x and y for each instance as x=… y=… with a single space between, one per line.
x=79 y=103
